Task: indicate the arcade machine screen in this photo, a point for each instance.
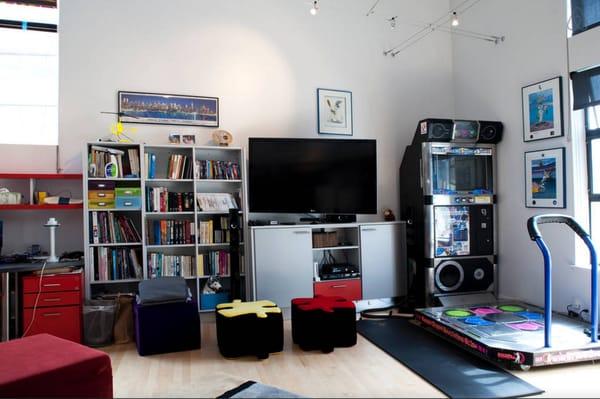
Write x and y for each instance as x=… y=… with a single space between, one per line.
x=452 y=231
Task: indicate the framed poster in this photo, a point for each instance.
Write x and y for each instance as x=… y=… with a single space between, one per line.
x=545 y=178
x=334 y=112
x=168 y=109
x=542 y=110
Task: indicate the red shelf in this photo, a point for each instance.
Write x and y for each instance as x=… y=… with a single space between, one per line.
x=40 y=207
x=69 y=176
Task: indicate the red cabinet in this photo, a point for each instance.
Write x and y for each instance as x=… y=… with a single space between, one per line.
x=348 y=289
x=58 y=310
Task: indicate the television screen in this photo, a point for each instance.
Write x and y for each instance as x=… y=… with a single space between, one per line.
x=331 y=176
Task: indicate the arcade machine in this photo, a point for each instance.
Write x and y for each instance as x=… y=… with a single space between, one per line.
x=518 y=334
x=447 y=198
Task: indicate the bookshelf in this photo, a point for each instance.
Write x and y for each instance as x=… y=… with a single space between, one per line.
x=182 y=214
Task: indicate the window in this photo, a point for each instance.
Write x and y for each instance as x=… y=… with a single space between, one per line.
x=585 y=14
x=28 y=74
x=593 y=156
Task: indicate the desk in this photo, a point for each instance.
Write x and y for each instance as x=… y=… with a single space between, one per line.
x=13 y=269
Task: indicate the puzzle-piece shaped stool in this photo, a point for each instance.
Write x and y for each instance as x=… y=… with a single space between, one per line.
x=323 y=322
x=249 y=328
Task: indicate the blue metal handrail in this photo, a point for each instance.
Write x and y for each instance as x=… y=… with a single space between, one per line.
x=534 y=234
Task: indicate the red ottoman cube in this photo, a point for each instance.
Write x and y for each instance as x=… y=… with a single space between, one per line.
x=47 y=366
x=323 y=322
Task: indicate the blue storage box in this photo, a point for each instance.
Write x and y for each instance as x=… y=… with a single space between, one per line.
x=210 y=301
x=128 y=203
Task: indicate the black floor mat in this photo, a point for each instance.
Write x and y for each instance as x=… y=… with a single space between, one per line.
x=450 y=369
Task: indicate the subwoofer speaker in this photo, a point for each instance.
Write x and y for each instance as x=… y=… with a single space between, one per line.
x=434 y=130
x=464 y=275
x=490 y=132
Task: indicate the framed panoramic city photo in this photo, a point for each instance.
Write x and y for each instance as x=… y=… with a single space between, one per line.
x=542 y=110
x=334 y=112
x=545 y=178
x=168 y=109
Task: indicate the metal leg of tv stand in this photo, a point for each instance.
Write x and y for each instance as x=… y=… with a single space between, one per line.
x=5 y=305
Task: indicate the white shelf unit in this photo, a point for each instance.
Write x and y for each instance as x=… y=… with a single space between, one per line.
x=195 y=185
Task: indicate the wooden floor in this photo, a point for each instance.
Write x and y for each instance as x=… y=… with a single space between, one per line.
x=360 y=371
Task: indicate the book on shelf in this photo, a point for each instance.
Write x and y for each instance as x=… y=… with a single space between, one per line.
x=216 y=202
x=117 y=264
x=160 y=199
x=179 y=167
x=217 y=170
x=125 y=162
x=214 y=230
x=170 y=232
x=150 y=164
x=109 y=228
x=161 y=265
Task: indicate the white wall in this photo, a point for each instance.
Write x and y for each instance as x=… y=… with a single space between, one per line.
x=264 y=59
x=487 y=83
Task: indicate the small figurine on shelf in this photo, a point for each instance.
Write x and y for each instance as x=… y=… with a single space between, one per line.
x=212 y=285
x=388 y=215
x=222 y=138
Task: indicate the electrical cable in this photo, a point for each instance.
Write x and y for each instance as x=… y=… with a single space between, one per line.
x=37 y=298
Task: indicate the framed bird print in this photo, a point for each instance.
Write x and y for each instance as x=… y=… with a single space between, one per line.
x=334 y=112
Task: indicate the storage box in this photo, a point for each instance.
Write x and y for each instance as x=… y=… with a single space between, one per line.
x=101 y=204
x=128 y=202
x=325 y=239
x=8 y=198
x=101 y=185
x=128 y=192
x=210 y=301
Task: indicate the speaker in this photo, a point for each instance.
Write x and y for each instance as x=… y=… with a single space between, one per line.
x=434 y=130
x=490 y=132
x=234 y=253
x=463 y=275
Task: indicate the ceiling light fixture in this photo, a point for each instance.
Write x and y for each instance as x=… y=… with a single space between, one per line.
x=455 y=21
x=315 y=8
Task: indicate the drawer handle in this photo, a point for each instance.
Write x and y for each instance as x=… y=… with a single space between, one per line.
x=301 y=232
x=101 y=185
x=52 y=285
x=339 y=286
x=128 y=192
x=128 y=203
x=369 y=229
x=52 y=314
x=51 y=299
x=101 y=195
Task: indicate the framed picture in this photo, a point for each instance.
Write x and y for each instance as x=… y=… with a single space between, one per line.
x=542 y=110
x=188 y=139
x=545 y=178
x=334 y=112
x=168 y=109
x=174 y=138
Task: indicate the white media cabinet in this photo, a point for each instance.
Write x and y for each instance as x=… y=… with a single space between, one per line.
x=283 y=261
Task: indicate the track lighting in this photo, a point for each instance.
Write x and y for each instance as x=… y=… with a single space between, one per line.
x=455 y=21
x=392 y=22
x=315 y=8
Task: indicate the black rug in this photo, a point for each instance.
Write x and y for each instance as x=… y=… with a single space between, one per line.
x=450 y=369
x=253 y=389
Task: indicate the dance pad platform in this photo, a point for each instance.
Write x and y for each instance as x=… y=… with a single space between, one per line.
x=511 y=333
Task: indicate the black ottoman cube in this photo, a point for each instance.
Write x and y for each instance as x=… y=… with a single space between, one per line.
x=323 y=323
x=249 y=328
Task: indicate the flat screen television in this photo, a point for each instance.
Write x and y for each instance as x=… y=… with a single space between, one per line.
x=325 y=176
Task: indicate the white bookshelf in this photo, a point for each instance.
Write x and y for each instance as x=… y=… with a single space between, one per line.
x=237 y=187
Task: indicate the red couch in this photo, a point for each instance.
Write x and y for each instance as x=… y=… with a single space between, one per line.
x=47 y=366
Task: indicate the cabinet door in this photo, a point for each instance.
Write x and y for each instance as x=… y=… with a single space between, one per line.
x=383 y=264
x=283 y=264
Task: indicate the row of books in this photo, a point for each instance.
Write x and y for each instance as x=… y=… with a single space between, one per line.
x=117 y=264
x=214 y=231
x=216 y=202
x=180 y=167
x=159 y=199
x=170 y=232
x=108 y=228
x=214 y=262
x=112 y=162
x=161 y=265
x=222 y=170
